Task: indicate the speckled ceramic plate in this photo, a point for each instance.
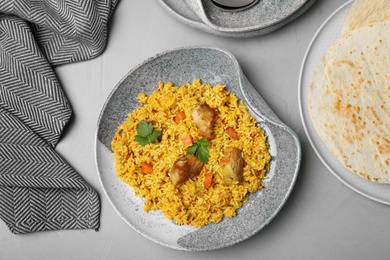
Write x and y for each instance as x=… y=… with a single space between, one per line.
x=214 y=66
x=328 y=33
x=263 y=17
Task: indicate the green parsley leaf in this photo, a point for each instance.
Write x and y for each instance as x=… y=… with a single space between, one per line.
x=144 y=128
x=199 y=148
x=154 y=135
x=203 y=154
x=146 y=134
x=203 y=142
x=141 y=140
x=192 y=149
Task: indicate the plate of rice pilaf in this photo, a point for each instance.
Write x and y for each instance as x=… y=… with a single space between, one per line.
x=189 y=154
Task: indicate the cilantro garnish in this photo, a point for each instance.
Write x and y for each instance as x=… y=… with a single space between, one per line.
x=146 y=134
x=199 y=148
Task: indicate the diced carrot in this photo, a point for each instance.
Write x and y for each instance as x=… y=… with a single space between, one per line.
x=179 y=116
x=261 y=172
x=232 y=133
x=146 y=168
x=187 y=141
x=208 y=180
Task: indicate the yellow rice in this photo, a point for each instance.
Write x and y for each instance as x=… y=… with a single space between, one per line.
x=191 y=203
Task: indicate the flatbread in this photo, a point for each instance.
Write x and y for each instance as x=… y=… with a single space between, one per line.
x=366 y=12
x=349 y=101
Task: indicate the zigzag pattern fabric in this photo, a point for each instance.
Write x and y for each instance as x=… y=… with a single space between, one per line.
x=39 y=191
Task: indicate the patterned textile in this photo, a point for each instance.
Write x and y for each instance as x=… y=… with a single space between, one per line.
x=38 y=189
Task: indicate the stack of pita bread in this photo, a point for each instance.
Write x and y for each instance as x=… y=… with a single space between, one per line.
x=349 y=97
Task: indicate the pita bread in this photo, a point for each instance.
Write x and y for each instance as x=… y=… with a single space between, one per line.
x=349 y=101
x=366 y=12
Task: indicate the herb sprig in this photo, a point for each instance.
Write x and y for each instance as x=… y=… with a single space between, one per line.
x=199 y=148
x=146 y=133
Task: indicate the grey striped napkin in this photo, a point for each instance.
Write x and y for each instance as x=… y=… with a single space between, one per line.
x=38 y=189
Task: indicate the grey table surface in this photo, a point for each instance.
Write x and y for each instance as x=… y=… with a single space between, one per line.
x=322 y=219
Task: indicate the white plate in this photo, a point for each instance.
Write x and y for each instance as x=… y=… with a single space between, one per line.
x=214 y=66
x=329 y=32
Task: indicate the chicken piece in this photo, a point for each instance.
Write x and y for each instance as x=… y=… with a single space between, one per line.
x=195 y=166
x=204 y=118
x=184 y=169
x=232 y=165
x=179 y=173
